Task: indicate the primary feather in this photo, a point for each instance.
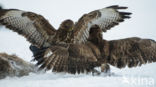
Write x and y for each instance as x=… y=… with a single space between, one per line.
x=105 y=18
x=35 y=28
x=79 y=48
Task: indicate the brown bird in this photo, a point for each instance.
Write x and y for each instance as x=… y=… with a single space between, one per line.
x=79 y=47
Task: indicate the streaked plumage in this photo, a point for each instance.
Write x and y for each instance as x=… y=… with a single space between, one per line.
x=79 y=47
x=105 y=18
x=96 y=52
x=132 y=52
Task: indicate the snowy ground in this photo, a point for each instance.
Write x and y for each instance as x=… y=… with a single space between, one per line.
x=142 y=24
x=12 y=43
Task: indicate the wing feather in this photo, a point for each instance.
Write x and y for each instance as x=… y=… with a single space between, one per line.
x=71 y=58
x=105 y=18
x=132 y=52
x=35 y=28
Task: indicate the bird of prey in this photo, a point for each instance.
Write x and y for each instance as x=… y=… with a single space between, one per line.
x=79 y=47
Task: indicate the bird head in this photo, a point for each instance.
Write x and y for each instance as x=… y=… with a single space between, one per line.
x=67 y=25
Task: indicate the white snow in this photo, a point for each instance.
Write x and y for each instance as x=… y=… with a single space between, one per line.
x=12 y=43
x=142 y=24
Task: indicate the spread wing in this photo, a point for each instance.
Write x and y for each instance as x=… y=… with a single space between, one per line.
x=73 y=58
x=105 y=18
x=35 y=28
x=132 y=52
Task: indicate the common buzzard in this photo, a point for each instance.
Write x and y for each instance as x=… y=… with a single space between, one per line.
x=79 y=47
